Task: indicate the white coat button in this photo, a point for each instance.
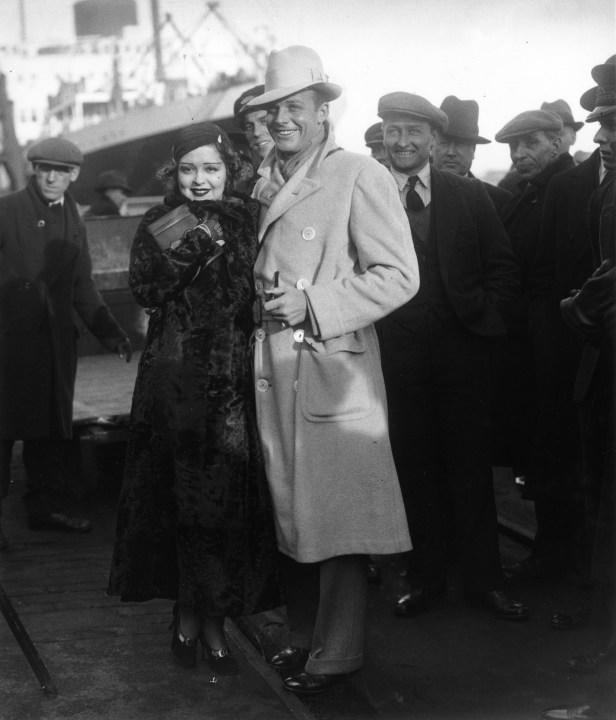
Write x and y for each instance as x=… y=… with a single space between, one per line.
x=302 y=284
x=260 y=334
x=263 y=385
x=309 y=233
x=298 y=336
x=295 y=385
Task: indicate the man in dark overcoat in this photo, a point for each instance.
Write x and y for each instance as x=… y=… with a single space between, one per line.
x=45 y=276
x=454 y=150
x=436 y=354
x=564 y=260
x=534 y=139
x=591 y=312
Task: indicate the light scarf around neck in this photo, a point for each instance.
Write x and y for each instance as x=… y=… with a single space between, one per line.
x=288 y=164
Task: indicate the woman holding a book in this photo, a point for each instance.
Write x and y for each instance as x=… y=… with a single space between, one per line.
x=194 y=522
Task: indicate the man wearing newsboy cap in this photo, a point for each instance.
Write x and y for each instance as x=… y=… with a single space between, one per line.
x=436 y=355
x=534 y=139
x=564 y=260
x=45 y=276
x=454 y=150
x=336 y=255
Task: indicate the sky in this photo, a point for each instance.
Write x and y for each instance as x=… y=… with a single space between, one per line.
x=509 y=55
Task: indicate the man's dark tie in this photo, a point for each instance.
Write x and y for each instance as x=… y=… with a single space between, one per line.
x=413 y=201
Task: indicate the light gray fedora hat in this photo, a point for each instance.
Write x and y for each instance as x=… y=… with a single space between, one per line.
x=292 y=70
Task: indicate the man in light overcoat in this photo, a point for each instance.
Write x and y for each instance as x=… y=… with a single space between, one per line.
x=336 y=255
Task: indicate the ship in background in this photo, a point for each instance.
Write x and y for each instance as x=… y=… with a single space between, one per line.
x=121 y=90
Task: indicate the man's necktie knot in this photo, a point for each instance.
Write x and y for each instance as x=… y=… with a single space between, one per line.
x=413 y=201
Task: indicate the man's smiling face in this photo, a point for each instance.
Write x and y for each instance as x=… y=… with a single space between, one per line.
x=408 y=141
x=296 y=120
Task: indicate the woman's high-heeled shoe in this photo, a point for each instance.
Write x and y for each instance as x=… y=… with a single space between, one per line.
x=184 y=648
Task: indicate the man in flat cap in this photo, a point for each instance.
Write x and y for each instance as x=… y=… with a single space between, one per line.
x=534 y=139
x=563 y=260
x=373 y=138
x=336 y=255
x=454 y=150
x=45 y=275
x=591 y=312
x=436 y=354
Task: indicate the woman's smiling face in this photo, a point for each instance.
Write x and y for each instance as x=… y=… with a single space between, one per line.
x=202 y=174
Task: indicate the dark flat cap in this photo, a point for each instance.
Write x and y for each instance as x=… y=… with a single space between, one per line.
x=605 y=103
x=408 y=104
x=239 y=106
x=374 y=135
x=528 y=122
x=55 y=151
x=563 y=110
x=463 y=118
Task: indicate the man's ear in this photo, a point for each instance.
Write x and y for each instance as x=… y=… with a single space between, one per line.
x=557 y=142
x=74 y=174
x=323 y=112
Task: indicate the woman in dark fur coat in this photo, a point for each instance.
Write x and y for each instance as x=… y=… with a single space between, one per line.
x=194 y=521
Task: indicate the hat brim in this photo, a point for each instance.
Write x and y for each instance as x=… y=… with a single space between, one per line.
x=441 y=124
x=476 y=139
x=55 y=163
x=600 y=112
x=330 y=91
x=575 y=125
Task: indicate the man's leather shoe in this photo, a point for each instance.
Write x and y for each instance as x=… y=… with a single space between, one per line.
x=289 y=660
x=59 y=521
x=305 y=683
x=504 y=607
x=417 y=600
x=593 y=662
x=572 y=712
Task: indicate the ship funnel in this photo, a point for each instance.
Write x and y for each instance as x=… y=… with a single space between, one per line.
x=103 y=17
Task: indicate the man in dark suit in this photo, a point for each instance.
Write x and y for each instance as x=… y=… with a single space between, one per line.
x=454 y=150
x=436 y=352
x=534 y=143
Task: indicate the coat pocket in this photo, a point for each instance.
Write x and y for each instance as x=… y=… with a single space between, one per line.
x=336 y=380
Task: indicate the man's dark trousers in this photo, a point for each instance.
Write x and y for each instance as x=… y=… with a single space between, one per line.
x=438 y=397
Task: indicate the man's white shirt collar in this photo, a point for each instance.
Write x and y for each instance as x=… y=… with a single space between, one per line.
x=423 y=185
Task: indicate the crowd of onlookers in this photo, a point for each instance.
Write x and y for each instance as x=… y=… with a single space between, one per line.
x=410 y=328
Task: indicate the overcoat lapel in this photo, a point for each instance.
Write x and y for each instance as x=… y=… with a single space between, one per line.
x=444 y=217
x=303 y=183
x=297 y=188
